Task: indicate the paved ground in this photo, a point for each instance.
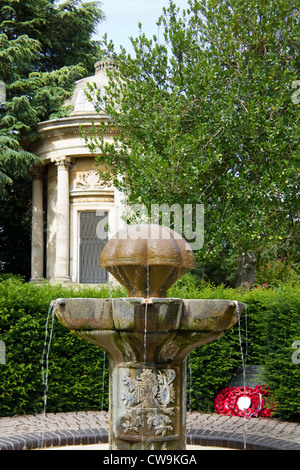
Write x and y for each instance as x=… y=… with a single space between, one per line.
x=91 y=427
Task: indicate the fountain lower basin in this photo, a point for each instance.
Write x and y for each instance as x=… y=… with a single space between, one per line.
x=147 y=341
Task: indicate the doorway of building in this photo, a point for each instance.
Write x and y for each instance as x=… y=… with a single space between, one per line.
x=91 y=224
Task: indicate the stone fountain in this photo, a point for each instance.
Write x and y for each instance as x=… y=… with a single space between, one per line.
x=147 y=335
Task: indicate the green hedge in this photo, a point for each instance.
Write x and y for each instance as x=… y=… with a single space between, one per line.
x=269 y=328
x=76 y=368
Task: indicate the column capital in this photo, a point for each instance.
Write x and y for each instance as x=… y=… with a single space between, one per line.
x=62 y=163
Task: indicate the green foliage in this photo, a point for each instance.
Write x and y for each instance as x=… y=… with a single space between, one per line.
x=274 y=272
x=279 y=329
x=15 y=239
x=61 y=34
x=207 y=117
x=268 y=329
x=44 y=49
x=75 y=367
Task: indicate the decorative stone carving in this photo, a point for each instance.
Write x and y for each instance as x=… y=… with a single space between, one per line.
x=102 y=65
x=91 y=180
x=62 y=163
x=147 y=399
x=147 y=259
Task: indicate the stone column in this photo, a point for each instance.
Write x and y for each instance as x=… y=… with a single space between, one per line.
x=62 y=260
x=37 y=237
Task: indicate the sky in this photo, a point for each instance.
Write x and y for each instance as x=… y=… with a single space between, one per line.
x=123 y=17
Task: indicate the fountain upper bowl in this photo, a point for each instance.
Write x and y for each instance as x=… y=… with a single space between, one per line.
x=147 y=259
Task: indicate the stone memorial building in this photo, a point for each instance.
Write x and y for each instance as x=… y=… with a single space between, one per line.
x=67 y=187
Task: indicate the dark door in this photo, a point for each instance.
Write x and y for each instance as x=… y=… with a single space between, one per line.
x=90 y=248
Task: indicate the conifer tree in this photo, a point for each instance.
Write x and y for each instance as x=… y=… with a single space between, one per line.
x=44 y=48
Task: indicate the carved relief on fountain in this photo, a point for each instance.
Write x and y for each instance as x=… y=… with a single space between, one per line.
x=147 y=411
x=147 y=398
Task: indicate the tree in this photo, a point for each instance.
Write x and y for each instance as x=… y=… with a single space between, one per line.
x=44 y=49
x=15 y=228
x=207 y=117
x=64 y=32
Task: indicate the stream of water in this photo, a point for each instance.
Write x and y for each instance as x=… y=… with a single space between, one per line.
x=145 y=333
x=190 y=382
x=146 y=312
x=244 y=357
x=46 y=350
x=45 y=359
x=103 y=379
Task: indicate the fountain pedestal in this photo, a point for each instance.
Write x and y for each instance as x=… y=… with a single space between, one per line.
x=148 y=406
x=148 y=341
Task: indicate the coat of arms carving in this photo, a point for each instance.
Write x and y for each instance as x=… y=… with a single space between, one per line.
x=147 y=400
x=91 y=180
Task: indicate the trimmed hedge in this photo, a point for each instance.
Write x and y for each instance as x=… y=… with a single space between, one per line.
x=269 y=329
x=272 y=323
x=75 y=366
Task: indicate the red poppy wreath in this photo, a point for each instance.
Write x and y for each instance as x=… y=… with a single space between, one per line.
x=244 y=401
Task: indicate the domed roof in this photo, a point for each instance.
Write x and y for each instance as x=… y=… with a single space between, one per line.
x=79 y=101
x=63 y=136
